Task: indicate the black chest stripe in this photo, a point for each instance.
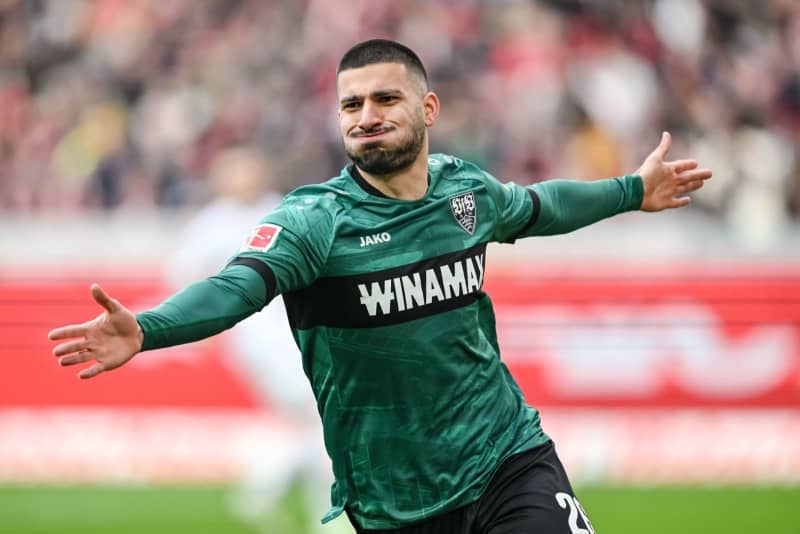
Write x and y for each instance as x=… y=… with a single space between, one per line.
x=391 y=296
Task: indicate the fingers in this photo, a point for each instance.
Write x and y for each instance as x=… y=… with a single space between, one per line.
x=680 y=202
x=683 y=165
x=80 y=330
x=70 y=347
x=102 y=298
x=81 y=357
x=693 y=186
x=92 y=371
x=78 y=357
x=688 y=187
x=66 y=332
x=694 y=175
x=663 y=147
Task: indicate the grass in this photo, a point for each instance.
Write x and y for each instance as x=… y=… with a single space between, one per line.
x=617 y=510
x=740 y=510
x=112 y=510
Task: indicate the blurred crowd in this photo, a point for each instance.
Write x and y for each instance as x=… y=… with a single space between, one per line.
x=113 y=104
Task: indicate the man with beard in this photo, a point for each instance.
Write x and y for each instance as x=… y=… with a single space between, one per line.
x=381 y=269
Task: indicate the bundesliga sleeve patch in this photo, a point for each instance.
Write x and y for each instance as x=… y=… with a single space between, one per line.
x=261 y=238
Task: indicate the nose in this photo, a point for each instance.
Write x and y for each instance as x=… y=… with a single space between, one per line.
x=370 y=116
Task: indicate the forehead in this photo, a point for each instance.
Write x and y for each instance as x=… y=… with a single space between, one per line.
x=371 y=78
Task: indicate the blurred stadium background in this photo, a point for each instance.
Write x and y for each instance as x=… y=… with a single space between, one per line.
x=663 y=350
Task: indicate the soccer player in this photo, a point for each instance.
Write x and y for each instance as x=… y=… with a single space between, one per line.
x=381 y=269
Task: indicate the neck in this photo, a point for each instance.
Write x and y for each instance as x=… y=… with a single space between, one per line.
x=410 y=183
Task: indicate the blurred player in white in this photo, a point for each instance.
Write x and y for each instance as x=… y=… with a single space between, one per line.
x=261 y=348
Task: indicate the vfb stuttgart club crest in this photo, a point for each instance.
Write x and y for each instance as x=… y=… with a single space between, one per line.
x=463 y=208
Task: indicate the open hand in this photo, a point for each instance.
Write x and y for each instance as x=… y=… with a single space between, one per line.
x=666 y=183
x=111 y=339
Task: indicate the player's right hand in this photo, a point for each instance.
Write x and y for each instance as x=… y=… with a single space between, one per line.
x=111 y=339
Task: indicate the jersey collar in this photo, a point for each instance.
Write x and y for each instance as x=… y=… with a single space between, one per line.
x=353 y=171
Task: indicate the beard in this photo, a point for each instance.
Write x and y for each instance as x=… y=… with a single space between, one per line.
x=378 y=160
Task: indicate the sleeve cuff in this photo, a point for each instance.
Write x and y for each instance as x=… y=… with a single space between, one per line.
x=636 y=191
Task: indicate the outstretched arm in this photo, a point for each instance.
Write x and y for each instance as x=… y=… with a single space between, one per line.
x=561 y=206
x=199 y=311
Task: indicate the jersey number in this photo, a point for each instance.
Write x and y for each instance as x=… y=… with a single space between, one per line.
x=567 y=501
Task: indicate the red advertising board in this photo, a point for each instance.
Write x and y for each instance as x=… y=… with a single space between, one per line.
x=688 y=356
x=711 y=337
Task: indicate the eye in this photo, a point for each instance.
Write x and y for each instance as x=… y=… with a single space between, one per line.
x=350 y=106
x=388 y=99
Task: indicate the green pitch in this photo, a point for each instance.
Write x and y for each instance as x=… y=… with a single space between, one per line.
x=729 y=510
x=111 y=510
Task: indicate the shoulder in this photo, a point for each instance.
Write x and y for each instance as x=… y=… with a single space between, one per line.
x=455 y=174
x=450 y=167
x=313 y=207
x=313 y=198
x=333 y=195
x=459 y=175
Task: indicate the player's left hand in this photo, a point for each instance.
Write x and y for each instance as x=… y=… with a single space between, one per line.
x=666 y=183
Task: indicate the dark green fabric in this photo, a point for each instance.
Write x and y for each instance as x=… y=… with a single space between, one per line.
x=566 y=205
x=204 y=308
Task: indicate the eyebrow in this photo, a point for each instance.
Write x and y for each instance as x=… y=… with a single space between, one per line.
x=375 y=94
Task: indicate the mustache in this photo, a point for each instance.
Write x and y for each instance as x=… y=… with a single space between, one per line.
x=378 y=129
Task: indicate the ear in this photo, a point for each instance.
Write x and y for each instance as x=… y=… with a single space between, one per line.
x=430 y=107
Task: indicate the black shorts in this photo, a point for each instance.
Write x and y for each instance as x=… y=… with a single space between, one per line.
x=529 y=494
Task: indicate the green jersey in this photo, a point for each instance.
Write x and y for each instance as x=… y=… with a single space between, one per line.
x=385 y=300
x=398 y=339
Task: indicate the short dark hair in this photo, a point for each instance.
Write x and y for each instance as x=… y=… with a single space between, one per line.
x=382 y=51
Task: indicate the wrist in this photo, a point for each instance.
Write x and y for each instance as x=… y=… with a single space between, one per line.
x=139 y=337
x=638 y=193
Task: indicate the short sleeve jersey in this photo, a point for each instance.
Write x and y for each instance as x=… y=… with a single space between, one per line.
x=398 y=339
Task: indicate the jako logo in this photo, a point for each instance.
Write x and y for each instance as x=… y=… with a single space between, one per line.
x=374 y=239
